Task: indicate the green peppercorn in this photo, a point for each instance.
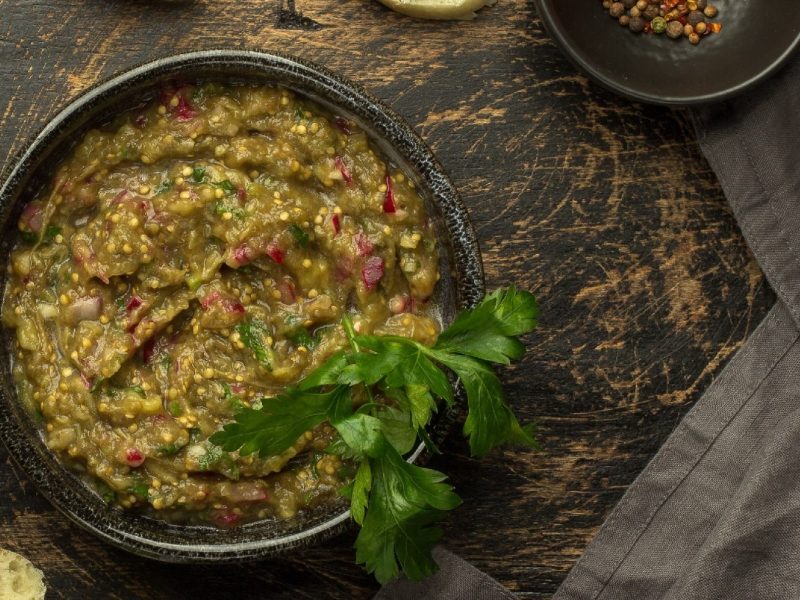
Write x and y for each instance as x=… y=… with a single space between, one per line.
x=617 y=10
x=710 y=11
x=659 y=25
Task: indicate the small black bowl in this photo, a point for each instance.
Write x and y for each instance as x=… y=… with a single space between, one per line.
x=756 y=39
x=461 y=286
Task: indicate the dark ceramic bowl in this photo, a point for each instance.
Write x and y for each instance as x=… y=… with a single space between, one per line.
x=757 y=37
x=461 y=285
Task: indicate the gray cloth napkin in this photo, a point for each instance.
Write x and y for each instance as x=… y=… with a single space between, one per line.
x=456 y=580
x=716 y=513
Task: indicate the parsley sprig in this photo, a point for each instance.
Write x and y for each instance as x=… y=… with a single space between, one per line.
x=396 y=503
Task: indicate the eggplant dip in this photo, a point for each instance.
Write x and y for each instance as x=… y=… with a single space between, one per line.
x=195 y=257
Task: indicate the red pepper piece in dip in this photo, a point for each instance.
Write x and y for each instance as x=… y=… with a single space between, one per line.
x=389 y=205
x=372 y=272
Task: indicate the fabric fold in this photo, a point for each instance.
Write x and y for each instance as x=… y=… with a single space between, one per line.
x=656 y=535
x=716 y=513
x=456 y=580
x=752 y=146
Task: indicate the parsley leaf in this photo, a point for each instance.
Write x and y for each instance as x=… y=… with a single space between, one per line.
x=327 y=373
x=404 y=504
x=362 y=433
x=395 y=384
x=280 y=421
x=396 y=427
x=489 y=422
x=488 y=331
x=401 y=361
x=515 y=309
x=421 y=404
x=359 y=493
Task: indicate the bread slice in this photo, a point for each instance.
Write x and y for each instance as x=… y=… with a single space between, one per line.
x=19 y=579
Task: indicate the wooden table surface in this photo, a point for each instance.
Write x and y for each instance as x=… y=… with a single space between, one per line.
x=602 y=207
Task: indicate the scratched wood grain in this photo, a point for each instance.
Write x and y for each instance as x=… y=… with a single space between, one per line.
x=603 y=207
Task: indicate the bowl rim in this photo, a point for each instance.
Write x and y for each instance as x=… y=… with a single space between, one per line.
x=301 y=75
x=615 y=85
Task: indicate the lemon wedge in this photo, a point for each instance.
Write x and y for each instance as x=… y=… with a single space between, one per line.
x=438 y=9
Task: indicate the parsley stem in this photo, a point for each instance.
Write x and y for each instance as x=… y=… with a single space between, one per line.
x=350 y=332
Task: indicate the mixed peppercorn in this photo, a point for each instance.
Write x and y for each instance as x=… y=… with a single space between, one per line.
x=677 y=19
